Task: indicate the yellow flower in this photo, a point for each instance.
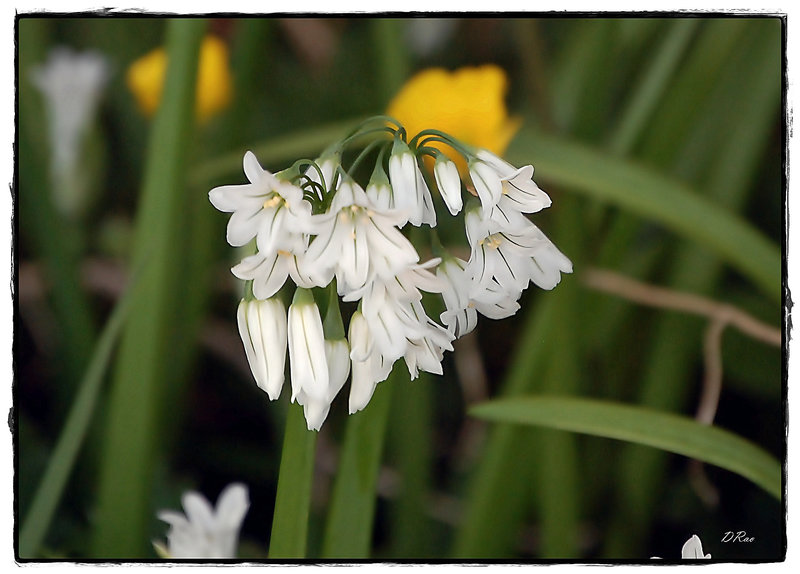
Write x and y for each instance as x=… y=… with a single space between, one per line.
x=145 y=79
x=467 y=104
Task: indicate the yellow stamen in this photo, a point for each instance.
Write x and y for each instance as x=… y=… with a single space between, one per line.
x=273 y=201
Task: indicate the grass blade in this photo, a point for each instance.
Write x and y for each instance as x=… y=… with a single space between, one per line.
x=348 y=530
x=492 y=513
x=50 y=489
x=289 y=536
x=665 y=431
x=124 y=505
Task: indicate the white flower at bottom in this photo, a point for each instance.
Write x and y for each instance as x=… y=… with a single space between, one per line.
x=262 y=327
x=204 y=532
x=693 y=548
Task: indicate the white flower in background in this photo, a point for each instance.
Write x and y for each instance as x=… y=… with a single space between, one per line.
x=692 y=550
x=424 y=36
x=268 y=209
x=72 y=84
x=263 y=329
x=204 y=532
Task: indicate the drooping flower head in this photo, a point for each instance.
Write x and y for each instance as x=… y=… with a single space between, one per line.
x=319 y=229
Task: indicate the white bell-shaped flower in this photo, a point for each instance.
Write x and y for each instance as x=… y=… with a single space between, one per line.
x=411 y=194
x=308 y=363
x=449 y=183
x=263 y=329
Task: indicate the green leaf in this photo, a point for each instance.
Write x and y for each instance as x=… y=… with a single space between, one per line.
x=60 y=465
x=664 y=431
x=293 y=499
x=142 y=369
x=656 y=197
x=348 y=530
x=284 y=148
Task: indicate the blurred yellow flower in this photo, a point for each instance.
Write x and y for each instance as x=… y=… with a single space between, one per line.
x=467 y=103
x=145 y=79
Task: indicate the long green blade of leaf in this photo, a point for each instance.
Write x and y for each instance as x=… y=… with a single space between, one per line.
x=664 y=431
x=348 y=530
x=282 y=148
x=491 y=513
x=656 y=197
x=124 y=499
x=49 y=492
x=289 y=538
x=727 y=174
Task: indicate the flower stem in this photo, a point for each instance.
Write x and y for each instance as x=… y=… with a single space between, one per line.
x=293 y=498
x=348 y=532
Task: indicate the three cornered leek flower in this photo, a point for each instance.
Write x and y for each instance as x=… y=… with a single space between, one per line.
x=205 y=532
x=345 y=244
x=692 y=550
x=145 y=79
x=72 y=84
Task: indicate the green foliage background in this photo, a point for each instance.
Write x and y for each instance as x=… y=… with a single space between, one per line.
x=662 y=144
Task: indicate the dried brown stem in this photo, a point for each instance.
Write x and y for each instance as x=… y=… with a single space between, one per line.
x=721 y=315
x=611 y=282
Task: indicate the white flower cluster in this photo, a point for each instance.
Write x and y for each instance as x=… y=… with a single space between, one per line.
x=316 y=224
